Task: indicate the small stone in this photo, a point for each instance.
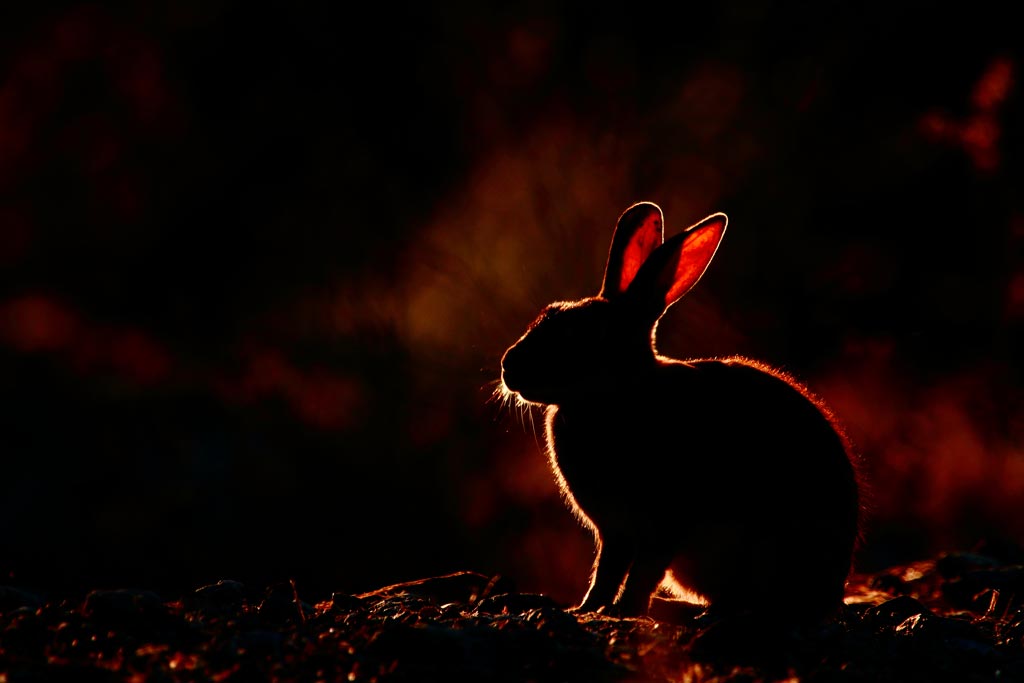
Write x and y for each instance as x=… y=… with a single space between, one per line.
x=893 y=613
x=553 y=621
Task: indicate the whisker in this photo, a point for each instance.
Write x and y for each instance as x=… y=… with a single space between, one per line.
x=506 y=402
x=533 y=428
x=496 y=394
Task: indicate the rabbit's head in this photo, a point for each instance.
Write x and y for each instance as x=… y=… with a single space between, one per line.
x=576 y=349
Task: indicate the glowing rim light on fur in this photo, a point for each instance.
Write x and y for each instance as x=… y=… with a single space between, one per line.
x=510 y=401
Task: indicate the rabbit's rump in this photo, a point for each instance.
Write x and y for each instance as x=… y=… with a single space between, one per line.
x=726 y=471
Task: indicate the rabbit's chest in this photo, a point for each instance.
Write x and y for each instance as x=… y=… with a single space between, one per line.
x=601 y=457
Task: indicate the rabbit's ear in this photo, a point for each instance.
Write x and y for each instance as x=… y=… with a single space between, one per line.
x=639 y=231
x=674 y=268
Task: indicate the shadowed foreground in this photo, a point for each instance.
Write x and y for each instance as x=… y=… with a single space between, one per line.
x=957 y=617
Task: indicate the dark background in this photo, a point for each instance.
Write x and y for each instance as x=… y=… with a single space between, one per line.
x=258 y=264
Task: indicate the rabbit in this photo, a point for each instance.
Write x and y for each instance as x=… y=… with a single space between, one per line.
x=722 y=476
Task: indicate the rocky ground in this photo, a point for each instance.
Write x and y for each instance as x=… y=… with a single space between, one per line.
x=957 y=617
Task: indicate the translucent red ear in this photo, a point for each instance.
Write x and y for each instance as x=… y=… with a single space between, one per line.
x=638 y=232
x=689 y=255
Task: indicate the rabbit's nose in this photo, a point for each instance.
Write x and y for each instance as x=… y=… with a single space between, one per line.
x=509 y=367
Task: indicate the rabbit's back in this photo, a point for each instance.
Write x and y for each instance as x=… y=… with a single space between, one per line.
x=729 y=463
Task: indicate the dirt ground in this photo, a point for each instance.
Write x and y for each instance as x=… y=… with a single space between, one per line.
x=958 y=616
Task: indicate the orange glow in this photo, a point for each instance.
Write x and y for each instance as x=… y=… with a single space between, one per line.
x=320 y=398
x=994 y=85
x=37 y=323
x=181 y=660
x=31 y=89
x=1015 y=296
x=697 y=250
x=979 y=133
x=646 y=238
x=932 y=460
x=134 y=354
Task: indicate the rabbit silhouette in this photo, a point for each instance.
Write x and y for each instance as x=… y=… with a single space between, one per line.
x=723 y=476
